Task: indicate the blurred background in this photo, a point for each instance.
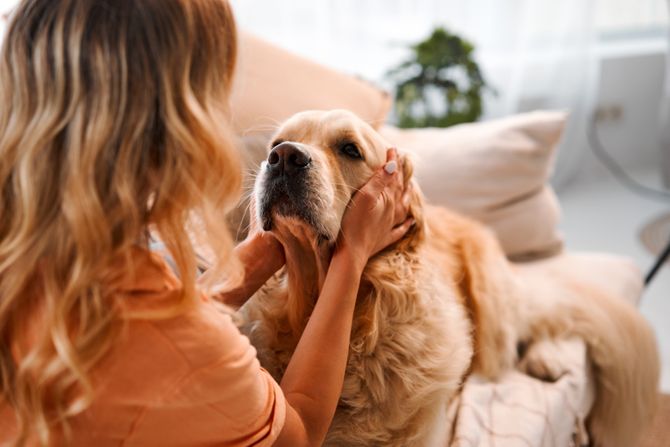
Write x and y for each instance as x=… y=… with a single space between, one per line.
x=571 y=54
x=603 y=60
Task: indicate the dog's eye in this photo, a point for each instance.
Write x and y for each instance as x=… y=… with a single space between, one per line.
x=351 y=151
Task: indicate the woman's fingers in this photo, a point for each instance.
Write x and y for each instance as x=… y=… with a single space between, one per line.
x=402 y=205
x=388 y=176
x=384 y=177
x=399 y=231
x=393 y=167
x=402 y=196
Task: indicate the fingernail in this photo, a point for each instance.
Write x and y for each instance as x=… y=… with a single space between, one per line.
x=391 y=167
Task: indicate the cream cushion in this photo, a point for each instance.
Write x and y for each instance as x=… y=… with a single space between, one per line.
x=606 y=273
x=272 y=84
x=496 y=172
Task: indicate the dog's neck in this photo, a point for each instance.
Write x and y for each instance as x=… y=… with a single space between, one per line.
x=307 y=261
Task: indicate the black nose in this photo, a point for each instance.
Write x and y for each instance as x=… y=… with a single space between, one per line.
x=287 y=158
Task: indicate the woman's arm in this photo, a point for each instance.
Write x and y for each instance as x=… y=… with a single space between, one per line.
x=313 y=380
x=261 y=255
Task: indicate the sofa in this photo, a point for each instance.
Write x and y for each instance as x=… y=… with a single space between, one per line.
x=495 y=171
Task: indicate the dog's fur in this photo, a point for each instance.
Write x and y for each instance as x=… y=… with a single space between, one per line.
x=437 y=305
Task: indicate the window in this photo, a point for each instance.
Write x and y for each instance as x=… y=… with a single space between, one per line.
x=630 y=17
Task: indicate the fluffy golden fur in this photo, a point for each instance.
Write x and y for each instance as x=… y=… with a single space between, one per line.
x=441 y=303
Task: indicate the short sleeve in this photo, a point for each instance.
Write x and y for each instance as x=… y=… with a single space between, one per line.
x=222 y=395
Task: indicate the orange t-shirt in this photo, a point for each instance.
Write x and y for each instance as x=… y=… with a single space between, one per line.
x=185 y=381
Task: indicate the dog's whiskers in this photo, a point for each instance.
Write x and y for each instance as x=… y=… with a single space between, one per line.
x=273 y=126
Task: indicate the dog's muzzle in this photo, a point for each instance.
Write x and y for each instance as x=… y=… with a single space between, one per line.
x=285 y=185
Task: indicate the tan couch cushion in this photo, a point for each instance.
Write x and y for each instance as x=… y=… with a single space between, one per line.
x=610 y=274
x=496 y=172
x=272 y=84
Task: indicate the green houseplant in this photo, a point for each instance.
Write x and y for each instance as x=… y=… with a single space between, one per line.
x=440 y=85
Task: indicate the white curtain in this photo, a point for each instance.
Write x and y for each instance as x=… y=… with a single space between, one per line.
x=536 y=54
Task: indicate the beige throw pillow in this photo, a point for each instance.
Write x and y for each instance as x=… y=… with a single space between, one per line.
x=496 y=172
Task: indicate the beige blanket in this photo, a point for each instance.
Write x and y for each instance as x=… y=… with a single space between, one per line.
x=522 y=411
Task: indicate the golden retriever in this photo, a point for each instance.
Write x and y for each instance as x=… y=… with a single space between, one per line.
x=437 y=305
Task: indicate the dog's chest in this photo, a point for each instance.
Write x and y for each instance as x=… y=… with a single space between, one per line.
x=404 y=367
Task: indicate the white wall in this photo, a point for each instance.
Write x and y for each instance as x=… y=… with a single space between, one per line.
x=634 y=83
x=630 y=90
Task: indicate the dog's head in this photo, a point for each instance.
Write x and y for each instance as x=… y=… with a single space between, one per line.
x=317 y=161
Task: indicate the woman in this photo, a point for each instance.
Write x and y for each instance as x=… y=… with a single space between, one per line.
x=113 y=122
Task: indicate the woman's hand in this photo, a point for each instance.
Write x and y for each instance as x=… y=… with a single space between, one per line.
x=265 y=246
x=377 y=214
x=261 y=255
x=262 y=244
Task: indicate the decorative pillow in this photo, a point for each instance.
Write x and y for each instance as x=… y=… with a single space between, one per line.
x=496 y=172
x=272 y=84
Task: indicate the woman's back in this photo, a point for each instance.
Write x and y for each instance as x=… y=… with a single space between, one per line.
x=187 y=380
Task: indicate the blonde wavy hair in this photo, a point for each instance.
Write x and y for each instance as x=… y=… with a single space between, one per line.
x=114 y=120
